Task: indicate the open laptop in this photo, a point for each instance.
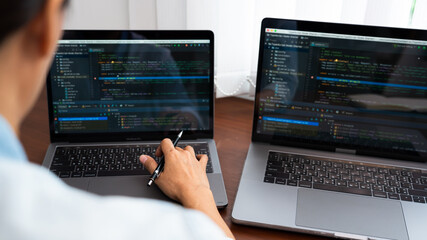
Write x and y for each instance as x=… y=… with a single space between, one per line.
x=114 y=95
x=339 y=134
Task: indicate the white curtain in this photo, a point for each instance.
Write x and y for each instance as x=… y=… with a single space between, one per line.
x=236 y=24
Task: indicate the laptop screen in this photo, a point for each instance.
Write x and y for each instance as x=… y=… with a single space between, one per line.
x=131 y=83
x=333 y=90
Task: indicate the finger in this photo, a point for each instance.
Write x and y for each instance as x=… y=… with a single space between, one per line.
x=190 y=149
x=159 y=152
x=148 y=162
x=165 y=147
x=203 y=159
x=179 y=149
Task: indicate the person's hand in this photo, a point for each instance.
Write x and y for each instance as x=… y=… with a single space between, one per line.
x=184 y=179
x=184 y=176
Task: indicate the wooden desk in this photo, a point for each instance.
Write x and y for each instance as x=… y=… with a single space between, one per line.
x=233 y=124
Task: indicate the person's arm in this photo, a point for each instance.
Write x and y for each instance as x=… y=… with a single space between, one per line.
x=184 y=179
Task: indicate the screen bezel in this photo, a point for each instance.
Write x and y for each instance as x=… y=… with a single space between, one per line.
x=374 y=31
x=135 y=136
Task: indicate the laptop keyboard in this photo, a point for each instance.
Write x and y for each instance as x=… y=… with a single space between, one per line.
x=118 y=160
x=349 y=177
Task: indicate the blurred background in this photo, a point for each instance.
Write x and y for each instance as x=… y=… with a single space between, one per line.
x=236 y=24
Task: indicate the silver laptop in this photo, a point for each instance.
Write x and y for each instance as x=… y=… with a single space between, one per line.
x=114 y=95
x=339 y=143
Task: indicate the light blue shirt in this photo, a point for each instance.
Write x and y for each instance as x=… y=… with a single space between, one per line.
x=35 y=204
x=10 y=147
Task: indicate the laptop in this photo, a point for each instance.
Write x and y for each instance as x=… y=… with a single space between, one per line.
x=114 y=95
x=339 y=133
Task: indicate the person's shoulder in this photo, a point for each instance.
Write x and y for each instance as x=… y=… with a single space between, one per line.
x=19 y=175
x=13 y=167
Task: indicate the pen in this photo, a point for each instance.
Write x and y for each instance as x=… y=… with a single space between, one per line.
x=161 y=165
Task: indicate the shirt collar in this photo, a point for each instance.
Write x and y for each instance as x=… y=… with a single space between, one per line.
x=10 y=147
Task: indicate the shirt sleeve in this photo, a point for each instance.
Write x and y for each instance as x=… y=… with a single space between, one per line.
x=35 y=204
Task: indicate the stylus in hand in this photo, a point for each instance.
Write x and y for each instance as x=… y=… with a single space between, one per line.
x=161 y=164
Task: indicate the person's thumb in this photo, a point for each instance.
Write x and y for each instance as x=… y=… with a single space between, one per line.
x=148 y=162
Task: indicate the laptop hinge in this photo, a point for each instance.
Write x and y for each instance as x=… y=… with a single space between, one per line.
x=344 y=150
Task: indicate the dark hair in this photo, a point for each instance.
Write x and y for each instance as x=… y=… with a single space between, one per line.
x=16 y=13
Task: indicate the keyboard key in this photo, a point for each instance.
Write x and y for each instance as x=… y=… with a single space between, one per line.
x=360 y=168
x=76 y=174
x=274 y=164
x=367 y=174
x=391 y=177
x=275 y=169
x=63 y=168
x=64 y=174
x=389 y=189
x=419 y=187
x=346 y=177
x=306 y=178
x=280 y=181
x=348 y=166
x=323 y=174
x=273 y=156
x=317 y=180
x=327 y=164
x=381 y=182
x=337 y=165
x=405 y=198
x=305 y=161
x=394 y=183
x=418 y=193
x=379 y=194
x=402 y=191
x=334 y=176
x=394 y=196
x=292 y=182
x=294 y=177
x=300 y=172
x=329 y=181
x=341 y=183
x=370 y=180
x=419 y=199
x=270 y=174
x=60 y=163
x=379 y=176
x=342 y=189
x=358 y=179
x=89 y=174
x=305 y=184
x=266 y=179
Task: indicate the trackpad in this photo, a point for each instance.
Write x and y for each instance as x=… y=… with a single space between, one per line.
x=132 y=186
x=350 y=214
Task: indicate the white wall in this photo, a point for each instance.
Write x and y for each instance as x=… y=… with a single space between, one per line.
x=97 y=14
x=142 y=14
